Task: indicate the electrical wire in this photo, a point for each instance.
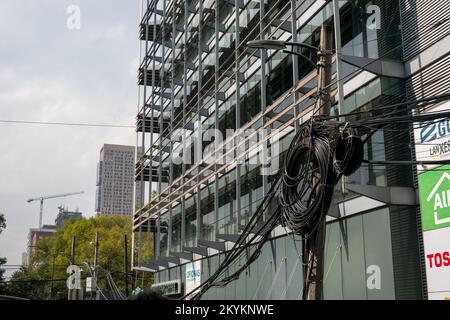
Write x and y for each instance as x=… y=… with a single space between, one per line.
x=72 y=124
x=313 y=165
x=254 y=232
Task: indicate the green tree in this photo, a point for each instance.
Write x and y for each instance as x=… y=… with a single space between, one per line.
x=29 y=283
x=2 y=278
x=2 y=260
x=2 y=222
x=52 y=257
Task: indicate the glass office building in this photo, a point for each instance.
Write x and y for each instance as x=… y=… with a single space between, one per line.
x=197 y=74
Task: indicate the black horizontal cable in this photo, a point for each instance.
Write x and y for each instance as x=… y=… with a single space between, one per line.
x=72 y=124
x=306 y=224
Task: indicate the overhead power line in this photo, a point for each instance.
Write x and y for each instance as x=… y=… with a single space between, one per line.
x=71 y=124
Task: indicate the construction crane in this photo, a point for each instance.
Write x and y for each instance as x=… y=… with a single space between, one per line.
x=41 y=199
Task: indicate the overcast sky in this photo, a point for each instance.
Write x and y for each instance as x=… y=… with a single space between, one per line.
x=51 y=73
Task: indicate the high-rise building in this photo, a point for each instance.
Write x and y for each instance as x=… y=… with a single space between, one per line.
x=197 y=74
x=115 y=180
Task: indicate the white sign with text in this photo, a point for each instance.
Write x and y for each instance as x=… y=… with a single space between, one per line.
x=437 y=260
x=193 y=277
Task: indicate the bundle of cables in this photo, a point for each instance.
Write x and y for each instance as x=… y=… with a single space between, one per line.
x=348 y=152
x=308 y=180
x=255 y=234
x=312 y=168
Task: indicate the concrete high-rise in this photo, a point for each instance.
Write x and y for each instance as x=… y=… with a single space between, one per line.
x=115 y=180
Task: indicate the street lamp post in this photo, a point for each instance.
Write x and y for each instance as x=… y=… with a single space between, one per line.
x=283 y=45
x=277 y=44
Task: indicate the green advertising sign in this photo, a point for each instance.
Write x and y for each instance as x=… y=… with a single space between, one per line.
x=434 y=191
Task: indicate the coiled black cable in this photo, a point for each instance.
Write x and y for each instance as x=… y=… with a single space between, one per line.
x=348 y=152
x=308 y=181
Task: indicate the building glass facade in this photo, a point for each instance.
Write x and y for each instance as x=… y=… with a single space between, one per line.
x=197 y=74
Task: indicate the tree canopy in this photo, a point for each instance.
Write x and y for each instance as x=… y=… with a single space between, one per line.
x=2 y=222
x=53 y=256
x=2 y=260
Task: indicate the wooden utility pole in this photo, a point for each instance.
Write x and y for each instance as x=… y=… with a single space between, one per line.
x=325 y=55
x=77 y=292
x=94 y=280
x=53 y=276
x=72 y=251
x=314 y=246
x=127 y=294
